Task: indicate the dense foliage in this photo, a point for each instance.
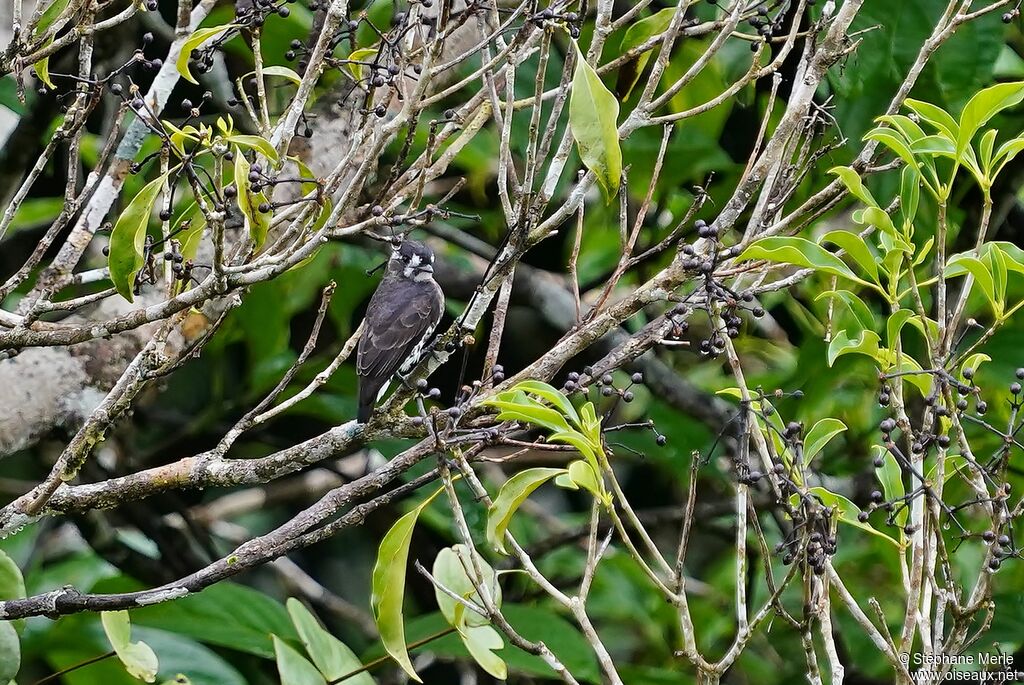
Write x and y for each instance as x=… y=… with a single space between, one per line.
x=728 y=387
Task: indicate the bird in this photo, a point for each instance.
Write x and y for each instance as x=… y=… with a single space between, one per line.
x=402 y=314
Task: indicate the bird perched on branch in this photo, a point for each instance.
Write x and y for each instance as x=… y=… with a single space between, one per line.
x=403 y=312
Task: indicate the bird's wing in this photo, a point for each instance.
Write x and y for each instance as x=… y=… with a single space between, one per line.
x=397 y=319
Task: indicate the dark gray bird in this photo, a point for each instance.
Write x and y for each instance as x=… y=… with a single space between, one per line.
x=402 y=313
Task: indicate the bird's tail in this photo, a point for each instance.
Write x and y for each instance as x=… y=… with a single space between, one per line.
x=370 y=390
x=365 y=409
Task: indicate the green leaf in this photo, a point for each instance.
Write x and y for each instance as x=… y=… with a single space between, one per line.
x=137 y=657
x=579 y=441
x=249 y=202
x=10 y=652
x=865 y=343
x=857 y=249
x=973 y=362
x=331 y=656
x=895 y=142
x=847 y=511
x=963 y=263
x=283 y=72
x=293 y=668
x=890 y=476
x=988 y=141
x=593 y=113
x=636 y=35
x=455 y=568
x=191 y=236
x=582 y=475
x=195 y=41
x=50 y=15
x=482 y=641
x=820 y=434
x=357 y=59
x=12 y=585
x=523 y=408
x=897 y=320
x=128 y=238
x=939 y=118
x=226 y=615
x=555 y=397
x=42 y=68
x=910 y=197
x=512 y=494
x=388 y=594
x=874 y=216
x=257 y=143
x=983 y=106
x=799 y=252
x=853 y=182
x=855 y=304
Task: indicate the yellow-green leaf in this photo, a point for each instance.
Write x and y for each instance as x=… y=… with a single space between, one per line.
x=357 y=60
x=294 y=668
x=332 y=657
x=249 y=202
x=194 y=42
x=388 y=587
x=138 y=658
x=262 y=145
x=455 y=569
x=128 y=238
x=593 y=115
x=799 y=252
x=512 y=494
x=50 y=15
x=636 y=35
x=820 y=435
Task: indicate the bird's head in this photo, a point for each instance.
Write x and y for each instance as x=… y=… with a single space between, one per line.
x=413 y=260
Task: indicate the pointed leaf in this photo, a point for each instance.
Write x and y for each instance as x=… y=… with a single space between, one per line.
x=583 y=475
x=961 y=264
x=593 y=113
x=388 y=594
x=853 y=182
x=283 y=72
x=552 y=395
x=983 y=106
x=128 y=238
x=857 y=249
x=939 y=118
x=194 y=42
x=257 y=143
x=249 y=202
x=798 y=252
x=865 y=343
x=293 y=668
x=50 y=15
x=512 y=494
x=636 y=35
x=856 y=305
x=332 y=657
x=819 y=436
x=847 y=512
x=10 y=652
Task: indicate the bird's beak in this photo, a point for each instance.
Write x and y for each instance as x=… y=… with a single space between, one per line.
x=427 y=268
